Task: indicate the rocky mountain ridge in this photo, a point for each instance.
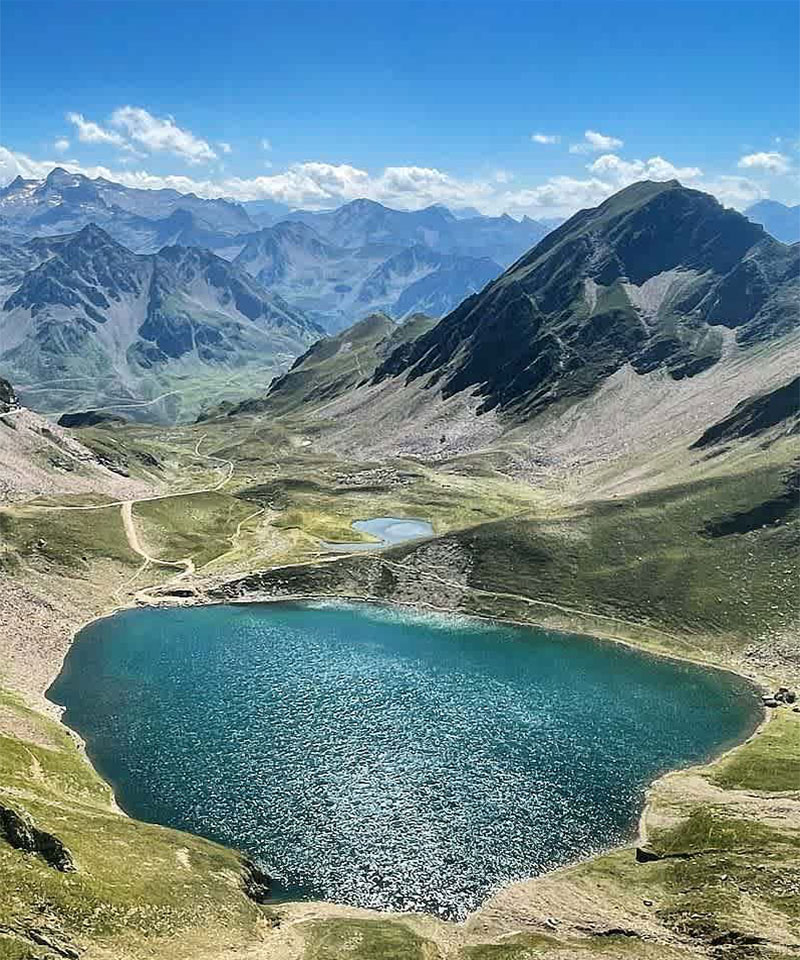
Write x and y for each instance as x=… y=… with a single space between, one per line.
x=658 y=276
x=320 y=260
x=88 y=316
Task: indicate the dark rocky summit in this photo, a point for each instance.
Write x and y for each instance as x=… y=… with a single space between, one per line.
x=658 y=276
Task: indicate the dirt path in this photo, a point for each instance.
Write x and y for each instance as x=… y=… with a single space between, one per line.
x=185 y=564
x=160 y=496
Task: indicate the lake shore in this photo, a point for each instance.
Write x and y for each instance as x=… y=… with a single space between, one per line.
x=559 y=895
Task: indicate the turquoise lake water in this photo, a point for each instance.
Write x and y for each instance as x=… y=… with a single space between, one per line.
x=386 y=759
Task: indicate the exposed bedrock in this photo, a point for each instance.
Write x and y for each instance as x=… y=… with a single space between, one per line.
x=23 y=834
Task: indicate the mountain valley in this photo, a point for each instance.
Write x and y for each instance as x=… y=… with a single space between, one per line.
x=604 y=440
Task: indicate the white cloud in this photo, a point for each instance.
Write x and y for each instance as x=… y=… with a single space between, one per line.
x=594 y=142
x=628 y=171
x=558 y=197
x=738 y=192
x=318 y=185
x=771 y=162
x=422 y=186
x=161 y=134
x=19 y=165
x=61 y=145
x=545 y=138
x=89 y=132
x=225 y=147
x=266 y=144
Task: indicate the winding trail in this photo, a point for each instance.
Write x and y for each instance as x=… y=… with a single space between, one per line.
x=133 y=541
x=185 y=565
x=160 y=496
x=187 y=568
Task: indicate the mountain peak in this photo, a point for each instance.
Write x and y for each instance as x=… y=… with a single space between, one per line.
x=780 y=220
x=59 y=177
x=362 y=205
x=91 y=232
x=440 y=210
x=574 y=309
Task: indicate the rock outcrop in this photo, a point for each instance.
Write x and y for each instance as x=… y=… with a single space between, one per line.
x=8 y=399
x=23 y=834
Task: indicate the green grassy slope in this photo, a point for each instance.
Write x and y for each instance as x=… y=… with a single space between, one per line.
x=697 y=567
x=136 y=886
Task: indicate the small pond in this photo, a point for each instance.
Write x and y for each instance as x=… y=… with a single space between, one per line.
x=388 y=530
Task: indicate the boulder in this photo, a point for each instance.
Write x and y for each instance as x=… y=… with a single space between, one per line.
x=645 y=855
x=23 y=834
x=8 y=399
x=257 y=883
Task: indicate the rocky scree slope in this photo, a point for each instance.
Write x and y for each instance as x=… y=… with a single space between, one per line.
x=658 y=277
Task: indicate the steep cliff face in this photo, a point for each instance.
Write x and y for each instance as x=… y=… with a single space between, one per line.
x=658 y=276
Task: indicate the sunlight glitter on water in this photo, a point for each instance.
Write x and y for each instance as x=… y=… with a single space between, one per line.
x=382 y=759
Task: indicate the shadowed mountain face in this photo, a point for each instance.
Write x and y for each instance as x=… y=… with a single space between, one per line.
x=776 y=218
x=337 y=266
x=658 y=276
x=123 y=327
x=756 y=415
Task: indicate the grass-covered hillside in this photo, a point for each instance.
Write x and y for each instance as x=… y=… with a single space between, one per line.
x=644 y=506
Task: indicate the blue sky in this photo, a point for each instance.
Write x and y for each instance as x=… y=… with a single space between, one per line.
x=410 y=103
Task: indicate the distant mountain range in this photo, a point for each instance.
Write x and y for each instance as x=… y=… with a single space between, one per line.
x=337 y=284
x=337 y=265
x=364 y=222
x=86 y=323
x=658 y=278
x=781 y=221
x=142 y=220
